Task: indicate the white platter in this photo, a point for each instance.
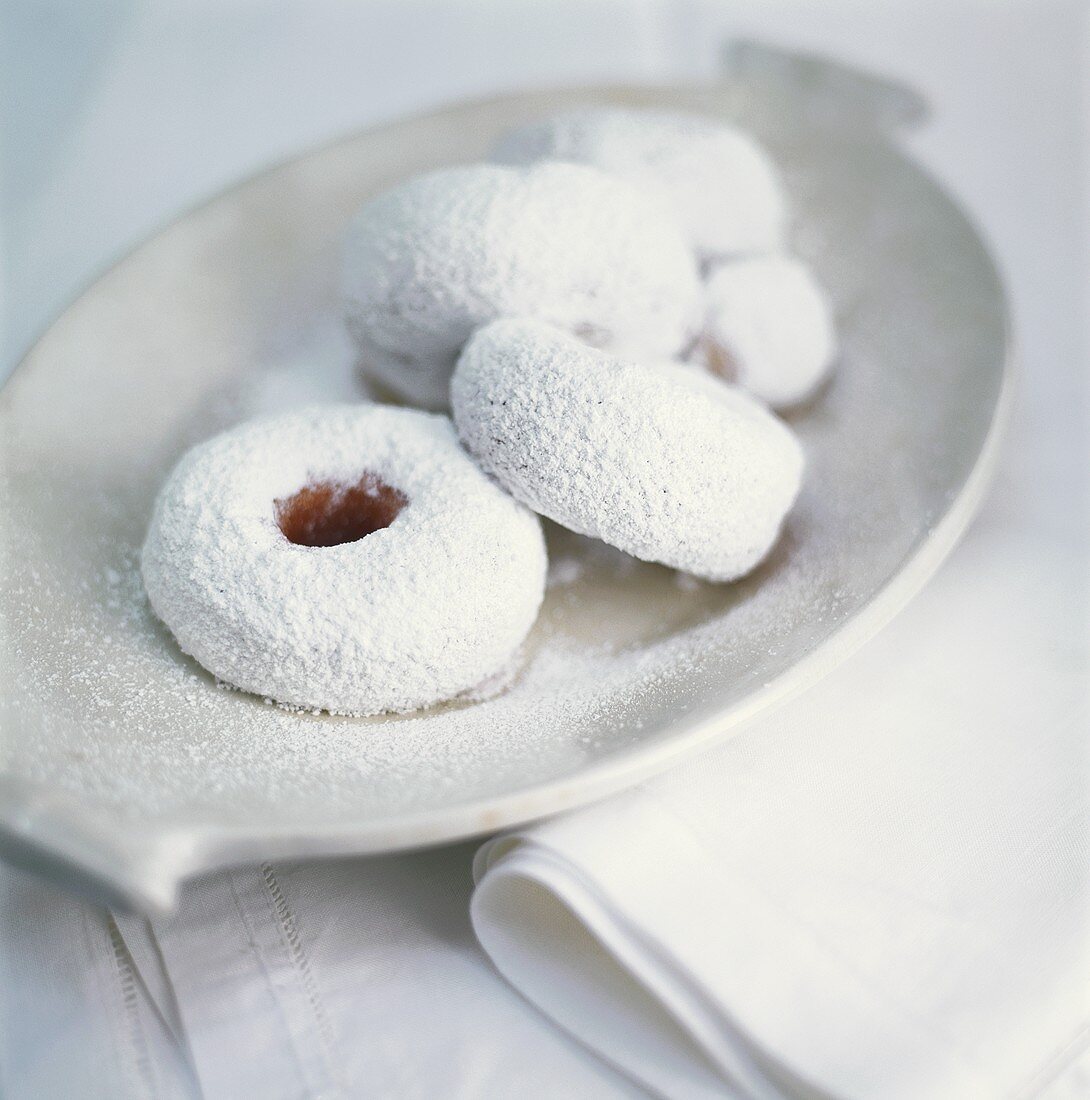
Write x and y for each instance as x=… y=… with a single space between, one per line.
x=124 y=768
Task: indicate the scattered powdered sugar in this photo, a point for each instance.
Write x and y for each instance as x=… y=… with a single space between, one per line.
x=721 y=184
x=429 y=261
x=769 y=327
x=432 y=602
x=125 y=719
x=666 y=463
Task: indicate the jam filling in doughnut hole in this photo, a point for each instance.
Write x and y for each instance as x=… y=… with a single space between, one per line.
x=328 y=514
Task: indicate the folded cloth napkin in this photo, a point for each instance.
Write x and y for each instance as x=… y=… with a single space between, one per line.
x=332 y=979
x=882 y=889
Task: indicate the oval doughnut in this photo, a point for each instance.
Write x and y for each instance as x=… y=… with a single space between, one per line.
x=344 y=558
x=720 y=182
x=431 y=260
x=769 y=328
x=664 y=462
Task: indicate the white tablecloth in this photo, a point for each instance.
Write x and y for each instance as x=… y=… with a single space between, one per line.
x=880 y=890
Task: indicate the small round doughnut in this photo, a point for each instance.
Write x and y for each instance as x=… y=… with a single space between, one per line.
x=719 y=181
x=348 y=558
x=664 y=462
x=428 y=262
x=769 y=328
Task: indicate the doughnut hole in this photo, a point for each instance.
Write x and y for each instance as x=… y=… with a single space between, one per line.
x=325 y=513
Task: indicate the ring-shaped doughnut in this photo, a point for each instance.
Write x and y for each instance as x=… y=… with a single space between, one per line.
x=344 y=558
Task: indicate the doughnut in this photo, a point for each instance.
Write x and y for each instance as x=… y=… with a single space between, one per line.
x=347 y=558
x=429 y=261
x=769 y=328
x=719 y=181
x=662 y=461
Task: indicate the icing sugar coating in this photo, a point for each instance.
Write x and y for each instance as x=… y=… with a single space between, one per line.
x=721 y=184
x=429 y=261
x=665 y=462
x=415 y=612
x=769 y=328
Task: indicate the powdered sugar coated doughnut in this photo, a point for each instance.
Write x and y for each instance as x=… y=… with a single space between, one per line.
x=670 y=465
x=429 y=261
x=769 y=328
x=719 y=181
x=345 y=558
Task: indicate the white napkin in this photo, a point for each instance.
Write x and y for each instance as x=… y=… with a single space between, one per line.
x=882 y=891
x=327 y=979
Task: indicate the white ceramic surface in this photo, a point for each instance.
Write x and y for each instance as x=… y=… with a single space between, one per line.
x=124 y=768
